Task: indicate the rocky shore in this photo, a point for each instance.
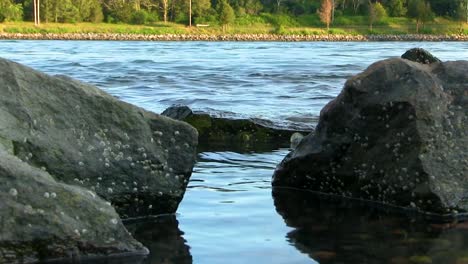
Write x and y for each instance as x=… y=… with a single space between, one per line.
x=233 y=37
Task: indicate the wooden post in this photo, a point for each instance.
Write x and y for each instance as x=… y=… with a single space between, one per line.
x=190 y=13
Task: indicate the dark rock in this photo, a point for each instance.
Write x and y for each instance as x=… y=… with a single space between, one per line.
x=420 y=55
x=42 y=219
x=396 y=135
x=138 y=160
x=178 y=112
x=221 y=131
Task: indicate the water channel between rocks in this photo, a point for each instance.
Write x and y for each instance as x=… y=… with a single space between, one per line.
x=230 y=214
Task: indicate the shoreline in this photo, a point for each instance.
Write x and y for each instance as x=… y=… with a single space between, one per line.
x=229 y=37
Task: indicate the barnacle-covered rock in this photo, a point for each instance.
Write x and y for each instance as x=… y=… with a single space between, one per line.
x=138 y=160
x=42 y=219
x=397 y=134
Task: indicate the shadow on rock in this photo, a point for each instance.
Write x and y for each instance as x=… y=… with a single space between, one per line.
x=162 y=236
x=338 y=231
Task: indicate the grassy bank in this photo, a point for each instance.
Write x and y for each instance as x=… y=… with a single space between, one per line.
x=267 y=24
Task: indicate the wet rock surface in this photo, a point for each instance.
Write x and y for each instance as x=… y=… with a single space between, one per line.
x=138 y=160
x=42 y=219
x=396 y=135
x=225 y=131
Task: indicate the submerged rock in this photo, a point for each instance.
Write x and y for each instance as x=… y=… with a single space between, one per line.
x=396 y=134
x=138 y=160
x=42 y=219
x=228 y=132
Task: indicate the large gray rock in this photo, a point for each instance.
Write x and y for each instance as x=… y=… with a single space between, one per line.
x=138 y=160
x=396 y=134
x=41 y=219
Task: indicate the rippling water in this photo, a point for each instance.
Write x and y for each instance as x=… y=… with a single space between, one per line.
x=229 y=213
x=274 y=80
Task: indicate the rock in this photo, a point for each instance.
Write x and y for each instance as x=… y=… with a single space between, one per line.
x=221 y=131
x=420 y=55
x=42 y=219
x=395 y=135
x=138 y=160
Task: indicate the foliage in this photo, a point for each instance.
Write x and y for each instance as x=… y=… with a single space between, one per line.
x=201 y=10
x=461 y=13
x=421 y=11
x=245 y=16
x=376 y=13
x=396 y=8
x=226 y=13
x=9 y=11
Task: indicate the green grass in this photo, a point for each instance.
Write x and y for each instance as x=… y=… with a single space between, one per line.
x=262 y=24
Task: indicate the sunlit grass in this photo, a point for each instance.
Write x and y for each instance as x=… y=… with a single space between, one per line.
x=354 y=26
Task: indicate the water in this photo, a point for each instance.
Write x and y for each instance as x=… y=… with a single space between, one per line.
x=229 y=213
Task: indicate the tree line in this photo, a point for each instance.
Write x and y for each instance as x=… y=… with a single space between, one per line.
x=224 y=11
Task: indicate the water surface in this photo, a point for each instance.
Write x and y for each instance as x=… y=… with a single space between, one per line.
x=230 y=213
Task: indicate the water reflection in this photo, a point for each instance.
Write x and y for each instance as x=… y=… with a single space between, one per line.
x=162 y=236
x=332 y=231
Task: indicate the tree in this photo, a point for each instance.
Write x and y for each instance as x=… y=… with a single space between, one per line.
x=118 y=10
x=252 y=7
x=421 y=11
x=200 y=8
x=59 y=11
x=396 y=8
x=226 y=13
x=10 y=11
x=356 y=4
x=165 y=7
x=325 y=12
x=376 y=13
x=461 y=13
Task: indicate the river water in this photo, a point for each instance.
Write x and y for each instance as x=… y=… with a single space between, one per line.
x=230 y=213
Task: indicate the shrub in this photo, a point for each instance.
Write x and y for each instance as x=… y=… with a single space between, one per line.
x=139 y=17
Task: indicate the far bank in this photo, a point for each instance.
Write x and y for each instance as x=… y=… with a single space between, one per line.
x=231 y=37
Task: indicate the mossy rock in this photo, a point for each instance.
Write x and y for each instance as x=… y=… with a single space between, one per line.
x=231 y=133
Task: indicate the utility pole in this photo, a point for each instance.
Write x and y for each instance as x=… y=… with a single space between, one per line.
x=190 y=13
x=37 y=17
